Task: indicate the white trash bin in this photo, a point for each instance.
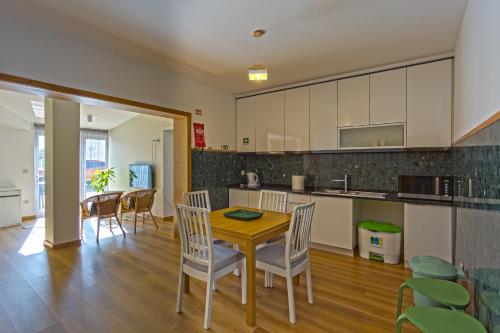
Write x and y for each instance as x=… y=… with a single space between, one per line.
x=379 y=241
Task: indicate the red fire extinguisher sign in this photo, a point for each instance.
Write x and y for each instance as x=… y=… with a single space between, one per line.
x=199 y=135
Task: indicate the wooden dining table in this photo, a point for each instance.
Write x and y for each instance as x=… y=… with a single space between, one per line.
x=248 y=234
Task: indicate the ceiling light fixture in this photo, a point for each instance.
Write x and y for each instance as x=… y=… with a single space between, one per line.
x=38 y=109
x=257 y=72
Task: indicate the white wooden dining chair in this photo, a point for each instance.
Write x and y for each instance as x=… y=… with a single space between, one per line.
x=291 y=259
x=201 y=258
x=199 y=199
x=273 y=200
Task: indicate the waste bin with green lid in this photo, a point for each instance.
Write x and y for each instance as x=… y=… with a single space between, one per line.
x=433 y=268
x=379 y=241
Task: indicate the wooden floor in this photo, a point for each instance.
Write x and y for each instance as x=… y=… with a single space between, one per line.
x=129 y=285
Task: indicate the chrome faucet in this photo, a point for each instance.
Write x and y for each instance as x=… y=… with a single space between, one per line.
x=342 y=181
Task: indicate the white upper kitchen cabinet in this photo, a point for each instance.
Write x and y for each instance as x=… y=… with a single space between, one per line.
x=388 y=97
x=429 y=104
x=354 y=101
x=297 y=119
x=270 y=122
x=323 y=116
x=245 y=124
x=334 y=222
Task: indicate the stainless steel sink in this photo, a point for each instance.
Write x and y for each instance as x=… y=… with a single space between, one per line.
x=358 y=194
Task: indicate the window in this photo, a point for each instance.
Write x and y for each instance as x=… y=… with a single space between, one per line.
x=93 y=156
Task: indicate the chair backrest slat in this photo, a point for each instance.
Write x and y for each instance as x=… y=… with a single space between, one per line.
x=108 y=203
x=199 y=199
x=297 y=237
x=273 y=200
x=195 y=234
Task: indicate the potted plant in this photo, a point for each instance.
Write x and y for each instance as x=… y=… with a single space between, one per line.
x=101 y=178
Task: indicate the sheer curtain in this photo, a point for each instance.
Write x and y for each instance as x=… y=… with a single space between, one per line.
x=93 y=156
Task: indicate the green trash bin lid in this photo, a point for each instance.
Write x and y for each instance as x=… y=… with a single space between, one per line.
x=433 y=267
x=379 y=226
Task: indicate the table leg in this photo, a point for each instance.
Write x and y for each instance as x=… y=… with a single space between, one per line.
x=186 y=283
x=250 y=253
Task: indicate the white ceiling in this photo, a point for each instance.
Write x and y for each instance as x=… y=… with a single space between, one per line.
x=16 y=112
x=103 y=118
x=211 y=40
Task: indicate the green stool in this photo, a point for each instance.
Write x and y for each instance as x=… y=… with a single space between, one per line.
x=447 y=293
x=439 y=320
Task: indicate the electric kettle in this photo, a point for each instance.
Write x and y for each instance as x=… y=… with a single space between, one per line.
x=253 y=180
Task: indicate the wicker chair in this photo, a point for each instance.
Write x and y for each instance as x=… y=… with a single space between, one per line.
x=101 y=206
x=137 y=202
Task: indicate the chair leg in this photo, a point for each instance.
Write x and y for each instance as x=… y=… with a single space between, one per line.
x=156 y=225
x=400 y=298
x=236 y=271
x=270 y=279
x=98 y=225
x=291 y=301
x=309 y=285
x=401 y=319
x=143 y=217
x=120 y=224
x=208 y=302
x=266 y=279
x=110 y=226
x=135 y=223
x=243 y=281
x=180 y=290
x=214 y=285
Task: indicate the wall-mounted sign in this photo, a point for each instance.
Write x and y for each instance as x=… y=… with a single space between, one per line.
x=199 y=135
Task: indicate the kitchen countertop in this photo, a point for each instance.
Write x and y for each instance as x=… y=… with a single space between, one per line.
x=392 y=196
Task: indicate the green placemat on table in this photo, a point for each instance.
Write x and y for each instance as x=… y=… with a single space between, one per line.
x=243 y=215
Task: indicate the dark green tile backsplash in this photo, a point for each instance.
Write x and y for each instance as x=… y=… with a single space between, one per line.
x=366 y=170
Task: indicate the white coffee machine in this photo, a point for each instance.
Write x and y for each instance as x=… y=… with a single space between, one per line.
x=253 y=180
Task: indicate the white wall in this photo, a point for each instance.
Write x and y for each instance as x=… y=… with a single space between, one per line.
x=131 y=143
x=17 y=154
x=33 y=52
x=168 y=173
x=477 y=66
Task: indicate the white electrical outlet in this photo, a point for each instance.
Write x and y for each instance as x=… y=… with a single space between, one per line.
x=243 y=172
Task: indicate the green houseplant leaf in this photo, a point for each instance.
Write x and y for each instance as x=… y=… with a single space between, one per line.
x=101 y=178
x=131 y=177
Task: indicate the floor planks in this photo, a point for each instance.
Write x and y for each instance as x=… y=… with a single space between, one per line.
x=129 y=285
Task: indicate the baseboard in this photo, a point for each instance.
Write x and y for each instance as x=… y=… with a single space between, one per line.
x=51 y=246
x=28 y=218
x=167 y=218
x=332 y=249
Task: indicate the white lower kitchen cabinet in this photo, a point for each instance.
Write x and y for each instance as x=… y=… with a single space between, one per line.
x=295 y=200
x=238 y=197
x=253 y=199
x=334 y=222
x=428 y=231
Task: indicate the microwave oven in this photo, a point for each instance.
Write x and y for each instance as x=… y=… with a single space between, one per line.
x=438 y=188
